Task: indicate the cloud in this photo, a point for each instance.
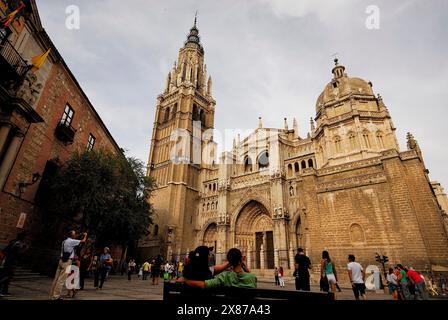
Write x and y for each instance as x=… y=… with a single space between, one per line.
x=267 y=58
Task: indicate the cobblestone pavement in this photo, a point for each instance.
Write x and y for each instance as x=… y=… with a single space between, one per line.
x=119 y=288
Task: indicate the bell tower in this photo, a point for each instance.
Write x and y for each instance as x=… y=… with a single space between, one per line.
x=182 y=130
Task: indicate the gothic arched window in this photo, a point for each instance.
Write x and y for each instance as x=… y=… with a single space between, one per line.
x=173 y=112
x=337 y=144
x=167 y=115
x=296 y=167
x=202 y=117
x=366 y=138
x=352 y=140
x=310 y=163
x=263 y=160
x=247 y=164
x=379 y=138
x=195 y=115
x=290 y=170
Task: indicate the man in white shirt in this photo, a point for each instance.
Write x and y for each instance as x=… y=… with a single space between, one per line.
x=67 y=254
x=357 y=277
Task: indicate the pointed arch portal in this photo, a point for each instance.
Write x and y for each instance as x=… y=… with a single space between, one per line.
x=254 y=234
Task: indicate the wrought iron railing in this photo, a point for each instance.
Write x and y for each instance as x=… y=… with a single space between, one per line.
x=65 y=132
x=9 y=54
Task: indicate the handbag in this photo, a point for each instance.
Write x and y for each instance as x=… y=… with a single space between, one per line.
x=324 y=286
x=65 y=255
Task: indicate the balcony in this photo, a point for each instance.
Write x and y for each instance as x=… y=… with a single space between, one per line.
x=65 y=132
x=12 y=65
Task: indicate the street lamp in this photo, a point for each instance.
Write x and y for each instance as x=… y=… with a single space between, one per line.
x=23 y=185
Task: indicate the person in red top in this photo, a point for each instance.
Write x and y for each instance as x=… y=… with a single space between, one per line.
x=280 y=277
x=419 y=282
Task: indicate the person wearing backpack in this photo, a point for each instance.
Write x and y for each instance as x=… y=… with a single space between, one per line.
x=11 y=255
x=67 y=254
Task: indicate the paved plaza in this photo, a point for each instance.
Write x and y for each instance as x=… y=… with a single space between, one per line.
x=119 y=288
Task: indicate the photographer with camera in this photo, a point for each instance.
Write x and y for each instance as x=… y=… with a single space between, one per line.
x=67 y=254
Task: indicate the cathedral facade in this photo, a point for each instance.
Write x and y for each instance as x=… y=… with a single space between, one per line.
x=346 y=187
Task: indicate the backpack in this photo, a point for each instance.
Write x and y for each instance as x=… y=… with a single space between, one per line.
x=65 y=255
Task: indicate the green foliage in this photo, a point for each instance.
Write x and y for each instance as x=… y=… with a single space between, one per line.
x=103 y=194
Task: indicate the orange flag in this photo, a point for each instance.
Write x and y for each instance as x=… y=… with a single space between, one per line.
x=38 y=61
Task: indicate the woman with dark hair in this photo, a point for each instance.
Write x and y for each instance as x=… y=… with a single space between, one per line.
x=155 y=269
x=86 y=258
x=328 y=271
x=198 y=267
x=239 y=276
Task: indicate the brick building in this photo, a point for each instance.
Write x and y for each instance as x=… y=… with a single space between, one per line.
x=346 y=187
x=44 y=117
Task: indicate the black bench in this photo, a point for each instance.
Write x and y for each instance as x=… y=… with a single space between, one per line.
x=177 y=292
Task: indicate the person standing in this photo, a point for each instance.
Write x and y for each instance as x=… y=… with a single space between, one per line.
x=357 y=277
x=105 y=265
x=67 y=254
x=302 y=266
x=328 y=271
x=94 y=269
x=146 y=267
x=12 y=252
x=404 y=283
x=86 y=259
x=276 y=276
x=180 y=269
x=281 y=281
x=155 y=269
x=419 y=282
x=131 y=268
x=442 y=283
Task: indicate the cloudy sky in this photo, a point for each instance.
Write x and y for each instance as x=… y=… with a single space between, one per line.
x=267 y=58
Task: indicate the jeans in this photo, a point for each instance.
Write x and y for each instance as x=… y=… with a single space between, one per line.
x=102 y=276
x=420 y=291
x=405 y=289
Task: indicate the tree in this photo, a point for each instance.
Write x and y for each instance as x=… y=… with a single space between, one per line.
x=103 y=194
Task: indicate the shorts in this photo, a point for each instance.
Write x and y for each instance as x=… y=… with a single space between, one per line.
x=331 y=278
x=392 y=288
x=359 y=289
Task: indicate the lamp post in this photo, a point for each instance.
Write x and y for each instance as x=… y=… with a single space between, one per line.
x=23 y=185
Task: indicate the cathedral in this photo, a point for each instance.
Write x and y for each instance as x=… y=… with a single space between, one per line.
x=346 y=187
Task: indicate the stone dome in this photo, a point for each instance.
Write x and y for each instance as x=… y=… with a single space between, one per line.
x=342 y=86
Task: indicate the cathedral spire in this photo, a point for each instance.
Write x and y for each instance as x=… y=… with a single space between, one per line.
x=193 y=36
